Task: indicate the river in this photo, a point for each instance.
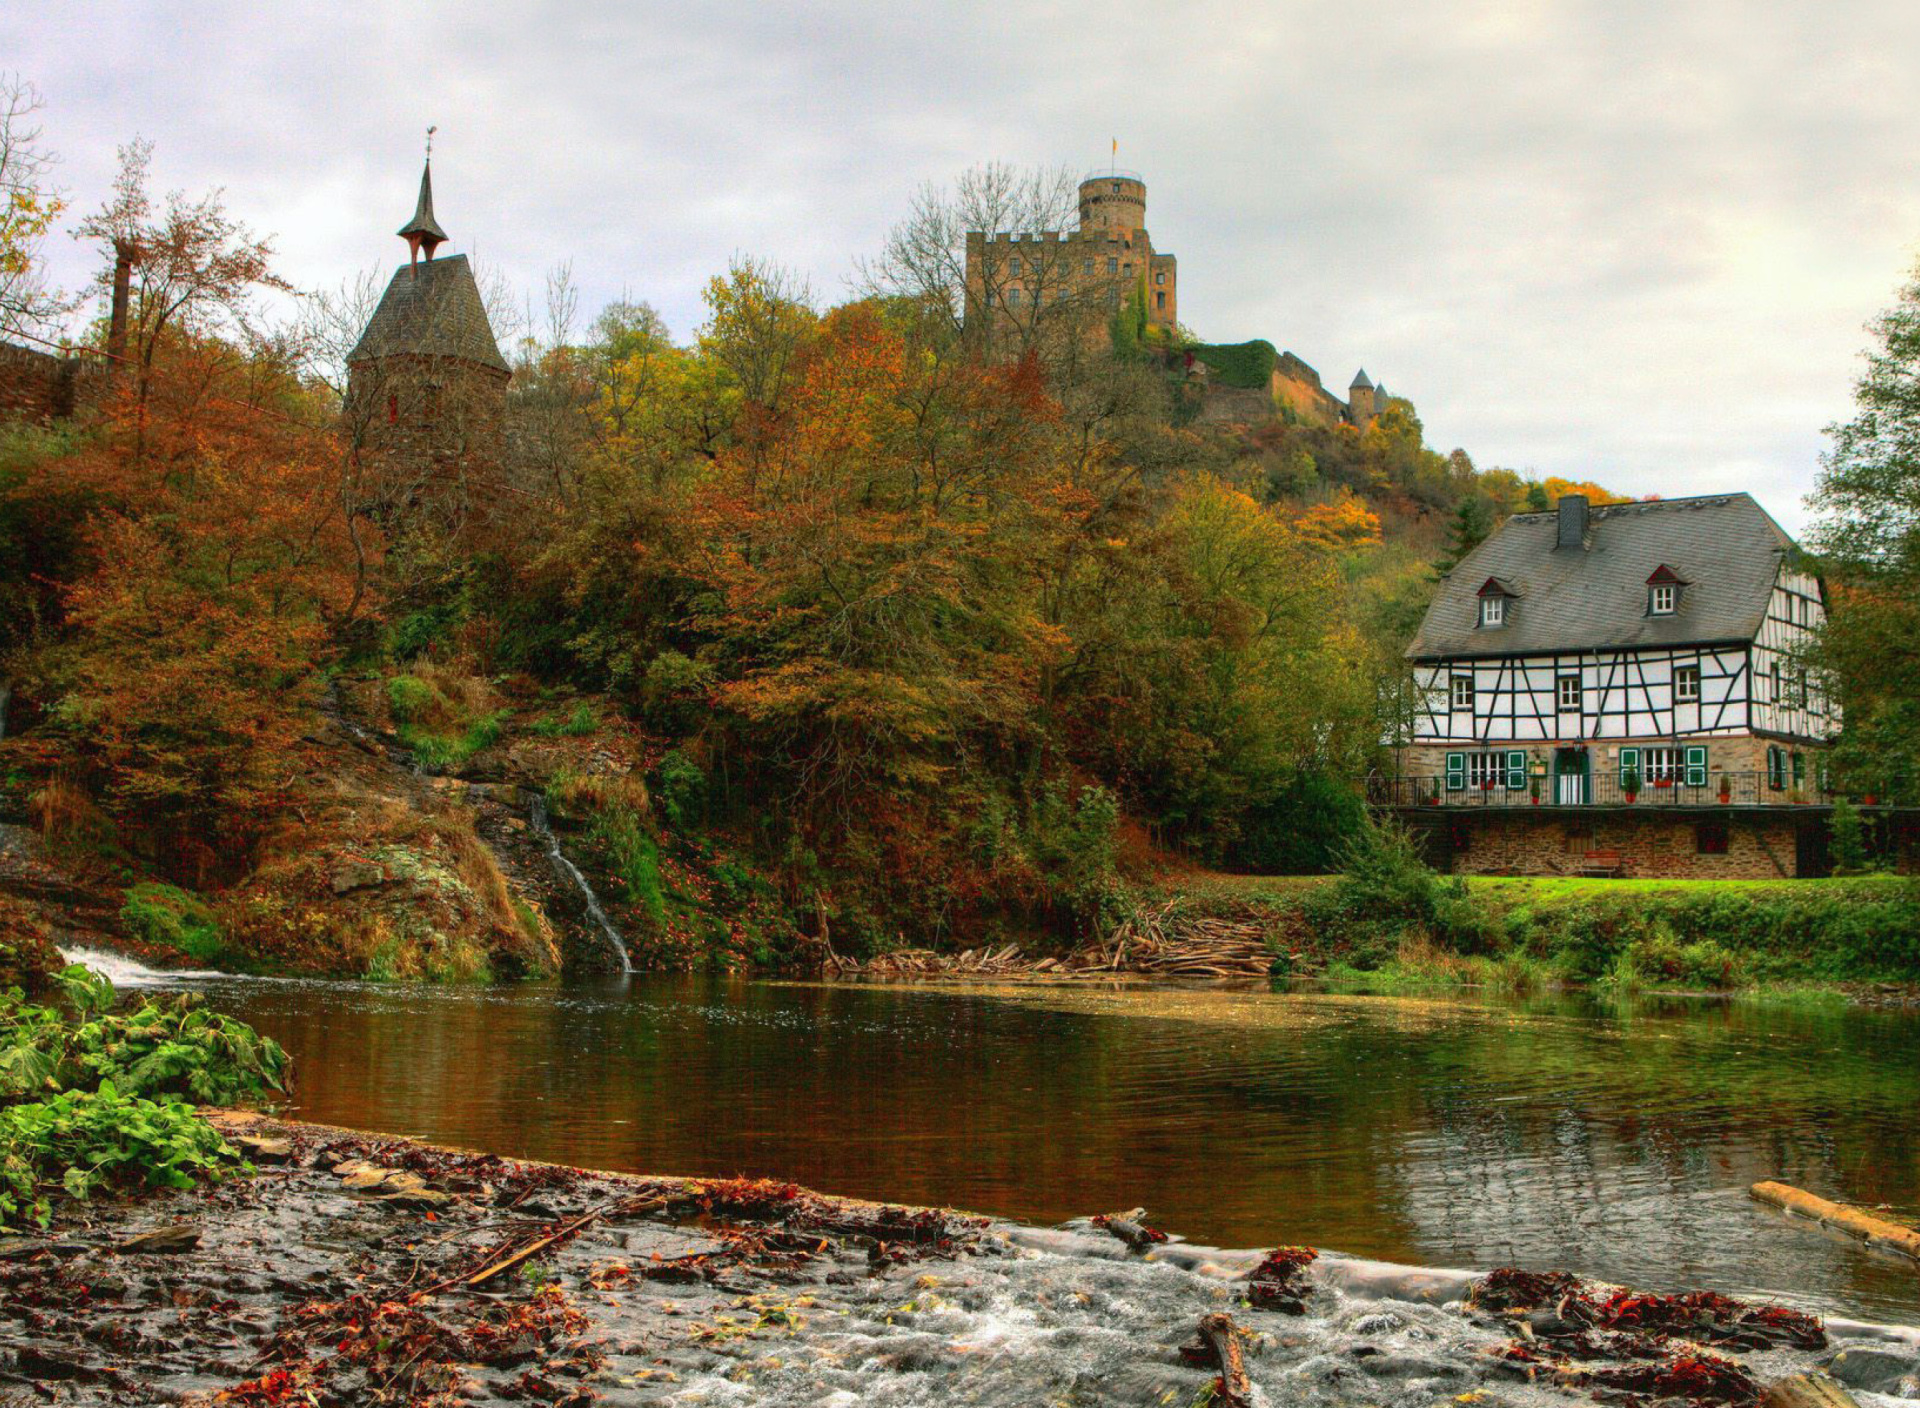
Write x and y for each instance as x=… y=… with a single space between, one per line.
x=1613 y=1140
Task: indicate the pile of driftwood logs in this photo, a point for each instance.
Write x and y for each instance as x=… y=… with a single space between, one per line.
x=1162 y=942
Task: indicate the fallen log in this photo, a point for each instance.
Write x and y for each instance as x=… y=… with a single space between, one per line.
x=1874 y=1231
x=1216 y=1345
x=1808 y=1391
x=1128 y=1228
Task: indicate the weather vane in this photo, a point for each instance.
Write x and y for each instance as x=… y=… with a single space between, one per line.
x=430 y=132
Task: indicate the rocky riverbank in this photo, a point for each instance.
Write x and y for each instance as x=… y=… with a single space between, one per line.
x=355 y=1269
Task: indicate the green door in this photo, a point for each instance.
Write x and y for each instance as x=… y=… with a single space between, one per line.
x=1570 y=777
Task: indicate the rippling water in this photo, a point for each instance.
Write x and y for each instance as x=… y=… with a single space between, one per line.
x=1618 y=1142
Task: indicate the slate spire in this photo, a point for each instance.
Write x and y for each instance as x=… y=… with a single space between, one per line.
x=423 y=231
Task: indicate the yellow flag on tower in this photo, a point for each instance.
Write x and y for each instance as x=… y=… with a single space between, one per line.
x=1116 y=146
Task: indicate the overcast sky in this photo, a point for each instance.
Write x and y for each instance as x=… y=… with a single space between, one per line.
x=1629 y=240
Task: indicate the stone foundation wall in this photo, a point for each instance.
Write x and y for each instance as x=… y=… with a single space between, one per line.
x=40 y=387
x=1759 y=846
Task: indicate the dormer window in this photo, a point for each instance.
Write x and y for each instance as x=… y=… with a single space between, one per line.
x=1494 y=596
x=1663 y=591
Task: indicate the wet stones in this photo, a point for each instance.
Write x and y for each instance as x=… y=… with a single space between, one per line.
x=1281 y=1282
x=181 y=1237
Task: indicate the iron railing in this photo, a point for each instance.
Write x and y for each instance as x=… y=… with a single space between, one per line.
x=1738 y=789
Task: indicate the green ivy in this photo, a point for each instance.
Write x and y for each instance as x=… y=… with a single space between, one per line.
x=1238 y=363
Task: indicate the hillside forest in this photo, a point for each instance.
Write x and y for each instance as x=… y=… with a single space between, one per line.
x=846 y=624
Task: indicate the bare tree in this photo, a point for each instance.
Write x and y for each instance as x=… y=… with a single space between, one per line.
x=994 y=256
x=28 y=208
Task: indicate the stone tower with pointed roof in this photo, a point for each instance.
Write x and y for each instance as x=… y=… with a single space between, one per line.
x=426 y=383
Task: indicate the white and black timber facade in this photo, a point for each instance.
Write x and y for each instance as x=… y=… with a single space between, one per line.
x=1621 y=690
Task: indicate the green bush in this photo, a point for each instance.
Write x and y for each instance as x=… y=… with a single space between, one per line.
x=409 y=696
x=681 y=789
x=165 y=914
x=82 y=1140
x=1301 y=831
x=1244 y=364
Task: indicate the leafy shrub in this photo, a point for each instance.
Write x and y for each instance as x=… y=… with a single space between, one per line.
x=682 y=790
x=82 y=1140
x=167 y=915
x=1302 y=830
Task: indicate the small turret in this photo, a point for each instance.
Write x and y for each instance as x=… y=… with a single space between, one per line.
x=1362 y=401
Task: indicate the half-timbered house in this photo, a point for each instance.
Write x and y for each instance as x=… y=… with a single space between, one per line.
x=1618 y=690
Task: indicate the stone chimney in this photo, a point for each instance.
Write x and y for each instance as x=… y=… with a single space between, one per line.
x=123 y=256
x=1573 y=521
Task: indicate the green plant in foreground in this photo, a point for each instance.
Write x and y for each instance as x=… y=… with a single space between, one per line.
x=578 y=724
x=163 y=1046
x=82 y=1140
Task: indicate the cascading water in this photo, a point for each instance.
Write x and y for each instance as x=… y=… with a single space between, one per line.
x=567 y=870
x=124 y=972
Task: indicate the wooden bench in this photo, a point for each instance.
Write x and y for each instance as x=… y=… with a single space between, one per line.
x=1603 y=865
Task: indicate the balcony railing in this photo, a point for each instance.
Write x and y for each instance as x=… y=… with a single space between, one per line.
x=1738 y=789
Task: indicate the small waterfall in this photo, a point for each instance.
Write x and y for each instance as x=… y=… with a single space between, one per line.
x=124 y=972
x=537 y=818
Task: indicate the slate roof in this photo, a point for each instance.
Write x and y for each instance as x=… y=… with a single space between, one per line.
x=1725 y=546
x=1360 y=382
x=431 y=309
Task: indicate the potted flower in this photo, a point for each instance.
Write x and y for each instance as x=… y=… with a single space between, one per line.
x=1726 y=789
x=1533 y=791
x=1630 y=783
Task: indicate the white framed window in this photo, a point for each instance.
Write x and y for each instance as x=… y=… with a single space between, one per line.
x=1660 y=600
x=1013 y=298
x=1569 y=694
x=1160 y=277
x=1493 y=610
x=1686 y=684
x=1663 y=766
x=1013 y=266
x=1462 y=696
x=1486 y=769
x=1113 y=264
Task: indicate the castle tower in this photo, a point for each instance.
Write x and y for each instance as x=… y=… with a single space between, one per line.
x=1114 y=203
x=426 y=383
x=1361 y=400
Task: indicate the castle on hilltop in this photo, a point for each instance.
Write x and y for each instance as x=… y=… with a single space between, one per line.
x=1013 y=278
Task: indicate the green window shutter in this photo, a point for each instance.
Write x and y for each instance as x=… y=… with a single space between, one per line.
x=1629 y=763
x=1456 y=772
x=1517 y=770
x=1696 y=766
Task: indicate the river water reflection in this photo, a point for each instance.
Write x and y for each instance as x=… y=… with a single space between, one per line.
x=1616 y=1141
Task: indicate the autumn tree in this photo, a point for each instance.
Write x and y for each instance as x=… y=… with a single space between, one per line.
x=1868 y=529
x=29 y=206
